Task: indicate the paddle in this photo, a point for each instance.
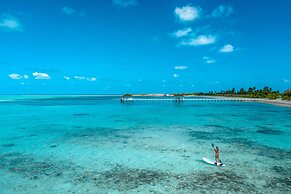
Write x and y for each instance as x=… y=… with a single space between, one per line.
x=213 y=146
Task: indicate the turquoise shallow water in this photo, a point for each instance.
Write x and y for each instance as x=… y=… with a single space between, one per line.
x=95 y=144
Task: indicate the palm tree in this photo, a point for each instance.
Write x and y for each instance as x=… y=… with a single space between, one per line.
x=287 y=94
x=242 y=91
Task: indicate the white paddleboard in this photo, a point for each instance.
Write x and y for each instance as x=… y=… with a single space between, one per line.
x=212 y=162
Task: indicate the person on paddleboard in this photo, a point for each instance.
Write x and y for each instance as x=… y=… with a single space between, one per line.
x=216 y=150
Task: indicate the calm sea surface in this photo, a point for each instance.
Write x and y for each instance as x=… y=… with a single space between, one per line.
x=95 y=144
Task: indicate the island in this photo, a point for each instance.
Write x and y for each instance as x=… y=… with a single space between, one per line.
x=264 y=95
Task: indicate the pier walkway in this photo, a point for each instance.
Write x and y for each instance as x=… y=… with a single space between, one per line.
x=188 y=100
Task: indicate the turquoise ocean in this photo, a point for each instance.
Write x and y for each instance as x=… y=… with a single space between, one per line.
x=96 y=144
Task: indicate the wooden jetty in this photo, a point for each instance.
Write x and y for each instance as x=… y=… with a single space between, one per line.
x=183 y=99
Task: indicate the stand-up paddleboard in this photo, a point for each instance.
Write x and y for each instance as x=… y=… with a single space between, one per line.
x=212 y=162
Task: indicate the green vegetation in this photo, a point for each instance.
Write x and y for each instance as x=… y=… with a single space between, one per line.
x=251 y=92
x=127 y=95
x=287 y=95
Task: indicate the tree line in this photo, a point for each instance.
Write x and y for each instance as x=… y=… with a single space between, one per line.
x=251 y=92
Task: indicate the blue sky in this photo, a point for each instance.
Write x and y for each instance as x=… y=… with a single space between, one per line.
x=143 y=46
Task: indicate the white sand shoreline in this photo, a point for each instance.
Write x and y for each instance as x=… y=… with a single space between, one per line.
x=277 y=102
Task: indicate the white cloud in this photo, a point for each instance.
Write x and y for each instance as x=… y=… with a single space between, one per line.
x=222 y=11
x=208 y=60
x=67 y=78
x=200 y=40
x=286 y=80
x=17 y=76
x=38 y=75
x=182 y=32
x=181 y=67
x=68 y=11
x=10 y=23
x=226 y=49
x=124 y=3
x=175 y=75
x=79 y=77
x=85 y=78
x=187 y=13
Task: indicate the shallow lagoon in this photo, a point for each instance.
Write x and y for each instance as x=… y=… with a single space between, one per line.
x=89 y=144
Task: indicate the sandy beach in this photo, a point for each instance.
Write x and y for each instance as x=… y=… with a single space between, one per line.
x=277 y=102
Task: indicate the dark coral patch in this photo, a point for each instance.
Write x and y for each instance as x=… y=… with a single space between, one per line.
x=220 y=181
x=268 y=131
x=28 y=167
x=8 y=145
x=81 y=114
